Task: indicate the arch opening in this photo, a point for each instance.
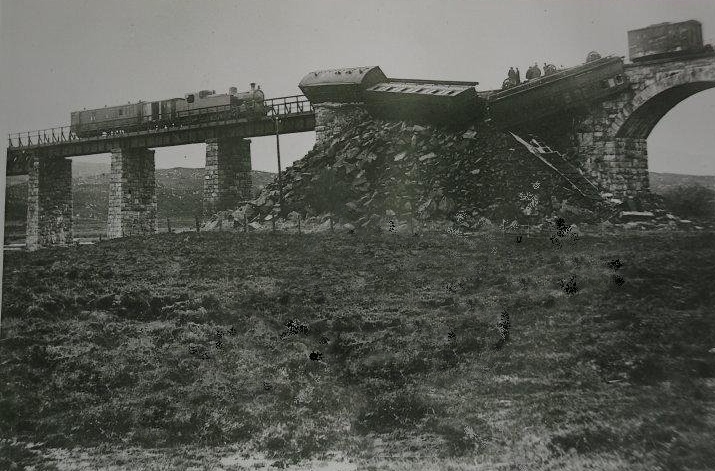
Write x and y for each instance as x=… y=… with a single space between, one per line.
x=643 y=119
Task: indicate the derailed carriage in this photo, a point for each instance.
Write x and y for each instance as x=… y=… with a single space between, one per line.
x=202 y=106
x=404 y=99
x=567 y=89
x=452 y=102
x=424 y=100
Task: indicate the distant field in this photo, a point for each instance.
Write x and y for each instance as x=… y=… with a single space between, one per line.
x=661 y=182
x=238 y=351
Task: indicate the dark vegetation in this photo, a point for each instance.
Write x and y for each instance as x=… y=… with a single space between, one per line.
x=297 y=345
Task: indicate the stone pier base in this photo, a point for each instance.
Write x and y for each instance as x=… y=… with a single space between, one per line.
x=331 y=119
x=49 y=202
x=617 y=164
x=132 y=193
x=227 y=175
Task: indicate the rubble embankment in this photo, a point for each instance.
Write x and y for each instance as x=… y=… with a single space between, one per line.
x=372 y=173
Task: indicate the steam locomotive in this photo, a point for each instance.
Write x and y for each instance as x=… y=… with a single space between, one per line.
x=202 y=106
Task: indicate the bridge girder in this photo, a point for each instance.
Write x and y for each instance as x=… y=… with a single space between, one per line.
x=18 y=158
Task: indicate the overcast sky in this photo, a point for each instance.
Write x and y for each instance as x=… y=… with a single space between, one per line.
x=57 y=56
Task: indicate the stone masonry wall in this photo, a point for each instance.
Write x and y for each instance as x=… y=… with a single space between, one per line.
x=49 y=208
x=227 y=174
x=606 y=162
x=132 y=193
x=620 y=164
x=332 y=118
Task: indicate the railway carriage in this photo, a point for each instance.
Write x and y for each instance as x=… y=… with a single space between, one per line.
x=424 y=100
x=570 y=88
x=666 y=40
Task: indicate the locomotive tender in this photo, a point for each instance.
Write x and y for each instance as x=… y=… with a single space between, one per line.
x=201 y=106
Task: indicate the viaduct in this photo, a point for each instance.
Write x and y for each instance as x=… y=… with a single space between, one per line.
x=607 y=137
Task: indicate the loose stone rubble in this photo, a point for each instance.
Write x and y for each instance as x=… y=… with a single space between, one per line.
x=399 y=177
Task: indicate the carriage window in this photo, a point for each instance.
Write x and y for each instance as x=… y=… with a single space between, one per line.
x=121 y=111
x=92 y=117
x=189 y=98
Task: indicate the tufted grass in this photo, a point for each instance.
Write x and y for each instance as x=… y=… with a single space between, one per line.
x=113 y=348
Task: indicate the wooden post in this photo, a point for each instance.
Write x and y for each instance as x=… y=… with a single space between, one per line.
x=278 y=155
x=245 y=223
x=198 y=226
x=168 y=225
x=299 y=224
x=273 y=224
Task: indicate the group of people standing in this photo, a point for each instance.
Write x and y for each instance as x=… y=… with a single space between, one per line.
x=533 y=72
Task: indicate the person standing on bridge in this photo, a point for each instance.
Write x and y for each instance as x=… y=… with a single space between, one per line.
x=533 y=72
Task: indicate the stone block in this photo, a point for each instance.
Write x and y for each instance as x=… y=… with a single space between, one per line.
x=49 y=202
x=227 y=175
x=132 y=193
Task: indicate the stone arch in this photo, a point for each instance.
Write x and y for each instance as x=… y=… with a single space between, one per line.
x=640 y=115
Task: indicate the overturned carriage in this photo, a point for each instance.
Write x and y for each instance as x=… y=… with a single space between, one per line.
x=391 y=98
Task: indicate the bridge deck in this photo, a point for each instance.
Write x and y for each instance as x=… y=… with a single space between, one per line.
x=294 y=114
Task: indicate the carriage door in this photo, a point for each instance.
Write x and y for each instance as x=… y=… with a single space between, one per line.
x=146 y=111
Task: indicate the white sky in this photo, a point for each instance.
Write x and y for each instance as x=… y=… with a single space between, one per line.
x=57 y=56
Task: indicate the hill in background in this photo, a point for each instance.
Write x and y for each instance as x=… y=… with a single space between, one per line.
x=662 y=182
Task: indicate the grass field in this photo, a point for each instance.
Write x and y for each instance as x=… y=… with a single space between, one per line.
x=92 y=229
x=351 y=351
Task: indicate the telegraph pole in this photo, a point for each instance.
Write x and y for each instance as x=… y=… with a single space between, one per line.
x=278 y=153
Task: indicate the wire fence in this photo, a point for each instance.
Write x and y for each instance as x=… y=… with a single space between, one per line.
x=557 y=235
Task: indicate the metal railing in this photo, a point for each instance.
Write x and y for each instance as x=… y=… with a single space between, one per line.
x=213 y=115
x=288 y=105
x=43 y=136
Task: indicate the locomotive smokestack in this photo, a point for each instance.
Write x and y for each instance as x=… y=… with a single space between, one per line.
x=232 y=90
x=253 y=85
